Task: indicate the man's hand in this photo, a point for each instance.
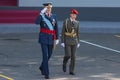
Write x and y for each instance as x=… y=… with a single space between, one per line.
x=62 y=44
x=43 y=10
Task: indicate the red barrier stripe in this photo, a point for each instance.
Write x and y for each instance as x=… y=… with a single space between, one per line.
x=18 y=16
x=8 y=2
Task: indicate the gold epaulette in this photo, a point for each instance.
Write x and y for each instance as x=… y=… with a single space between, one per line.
x=67 y=33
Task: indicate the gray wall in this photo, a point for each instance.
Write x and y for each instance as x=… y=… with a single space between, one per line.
x=71 y=3
x=90 y=10
x=91 y=13
x=85 y=13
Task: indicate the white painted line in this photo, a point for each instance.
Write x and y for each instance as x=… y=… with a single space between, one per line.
x=110 y=49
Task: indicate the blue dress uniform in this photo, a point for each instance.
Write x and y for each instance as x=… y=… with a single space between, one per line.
x=46 y=39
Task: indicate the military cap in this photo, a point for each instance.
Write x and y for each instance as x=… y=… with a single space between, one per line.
x=46 y=4
x=74 y=11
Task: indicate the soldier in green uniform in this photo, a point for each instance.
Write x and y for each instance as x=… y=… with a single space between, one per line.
x=70 y=40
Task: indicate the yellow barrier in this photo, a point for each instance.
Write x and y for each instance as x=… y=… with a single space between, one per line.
x=117 y=36
x=8 y=78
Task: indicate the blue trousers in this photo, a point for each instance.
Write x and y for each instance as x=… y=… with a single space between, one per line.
x=46 y=53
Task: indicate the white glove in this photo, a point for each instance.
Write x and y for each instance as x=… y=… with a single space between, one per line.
x=57 y=41
x=62 y=44
x=43 y=11
x=78 y=45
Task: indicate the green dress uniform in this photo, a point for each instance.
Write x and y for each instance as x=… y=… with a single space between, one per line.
x=70 y=37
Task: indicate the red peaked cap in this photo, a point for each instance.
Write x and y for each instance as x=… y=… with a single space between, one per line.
x=74 y=11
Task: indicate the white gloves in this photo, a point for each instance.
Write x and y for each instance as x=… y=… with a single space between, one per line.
x=43 y=11
x=62 y=44
x=78 y=45
x=57 y=41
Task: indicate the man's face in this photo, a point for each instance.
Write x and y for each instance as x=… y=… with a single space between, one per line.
x=49 y=8
x=73 y=16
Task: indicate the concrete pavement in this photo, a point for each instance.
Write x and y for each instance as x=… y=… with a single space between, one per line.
x=98 y=58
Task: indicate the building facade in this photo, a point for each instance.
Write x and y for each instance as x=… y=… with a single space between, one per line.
x=25 y=11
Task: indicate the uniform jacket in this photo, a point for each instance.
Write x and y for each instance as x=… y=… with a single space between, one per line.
x=67 y=39
x=43 y=37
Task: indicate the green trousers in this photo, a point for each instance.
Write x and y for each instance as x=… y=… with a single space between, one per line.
x=70 y=53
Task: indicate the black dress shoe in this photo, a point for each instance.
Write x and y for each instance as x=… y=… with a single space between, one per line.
x=64 y=68
x=47 y=77
x=41 y=71
x=71 y=73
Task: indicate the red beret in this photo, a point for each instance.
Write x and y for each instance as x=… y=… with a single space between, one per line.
x=74 y=11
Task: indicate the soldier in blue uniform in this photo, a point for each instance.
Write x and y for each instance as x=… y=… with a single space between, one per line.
x=48 y=36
